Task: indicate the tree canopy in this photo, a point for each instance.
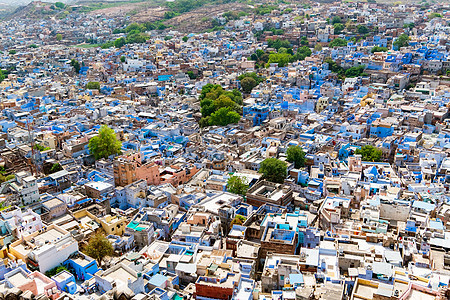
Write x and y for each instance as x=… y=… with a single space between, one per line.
x=379 y=49
x=336 y=19
x=98 y=248
x=93 y=85
x=355 y=71
x=253 y=75
x=278 y=43
x=273 y=170
x=362 y=29
x=401 y=41
x=76 y=65
x=338 y=42
x=296 y=155
x=237 y=185
x=223 y=117
x=238 y=220
x=338 y=28
x=219 y=107
x=369 y=153
x=105 y=143
x=248 y=83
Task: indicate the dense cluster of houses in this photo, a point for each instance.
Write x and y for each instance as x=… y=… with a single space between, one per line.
x=338 y=227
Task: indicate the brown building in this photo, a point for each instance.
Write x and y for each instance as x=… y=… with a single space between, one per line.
x=221 y=286
x=129 y=168
x=266 y=192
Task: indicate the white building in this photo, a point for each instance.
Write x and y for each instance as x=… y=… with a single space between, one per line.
x=27 y=188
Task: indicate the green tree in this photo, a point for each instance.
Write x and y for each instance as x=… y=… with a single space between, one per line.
x=55 y=270
x=247 y=84
x=214 y=97
x=362 y=29
x=355 y=71
x=318 y=47
x=237 y=185
x=207 y=107
x=304 y=41
x=60 y=5
x=273 y=170
x=225 y=101
x=338 y=43
x=12 y=52
x=76 y=65
x=278 y=43
x=169 y=15
x=338 y=27
x=59 y=37
x=120 y=42
x=204 y=122
x=41 y=148
x=334 y=67
x=434 y=15
x=56 y=168
x=93 y=85
x=191 y=75
x=238 y=220
x=107 y=45
x=282 y=59
x=379 y=49
x=224 y=116
x=296 y=155
x=401 y=41
x=105 y=143
x=336 y=19
x=2 y=76
x=185 y=38
x=33 y=46
x=123 y=59
x=136 y=37
x=253 y=75
x=369 y=153
x=98 y=248
x=135 y=27
x=304 y=52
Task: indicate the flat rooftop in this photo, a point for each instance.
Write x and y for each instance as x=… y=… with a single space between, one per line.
x=120 y=274
x=418 y=295
x=18 y=279
x=49 y=235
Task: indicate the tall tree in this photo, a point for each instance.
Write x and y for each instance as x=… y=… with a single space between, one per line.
x=369 y=153
x=76 y=65
x=273 y=170
x=98 y=248
x=105 y=143
x=93 y=85
x=224 y=116
x=237 y=185
x=401 y=41
x=247 y=84
x=296 y=155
